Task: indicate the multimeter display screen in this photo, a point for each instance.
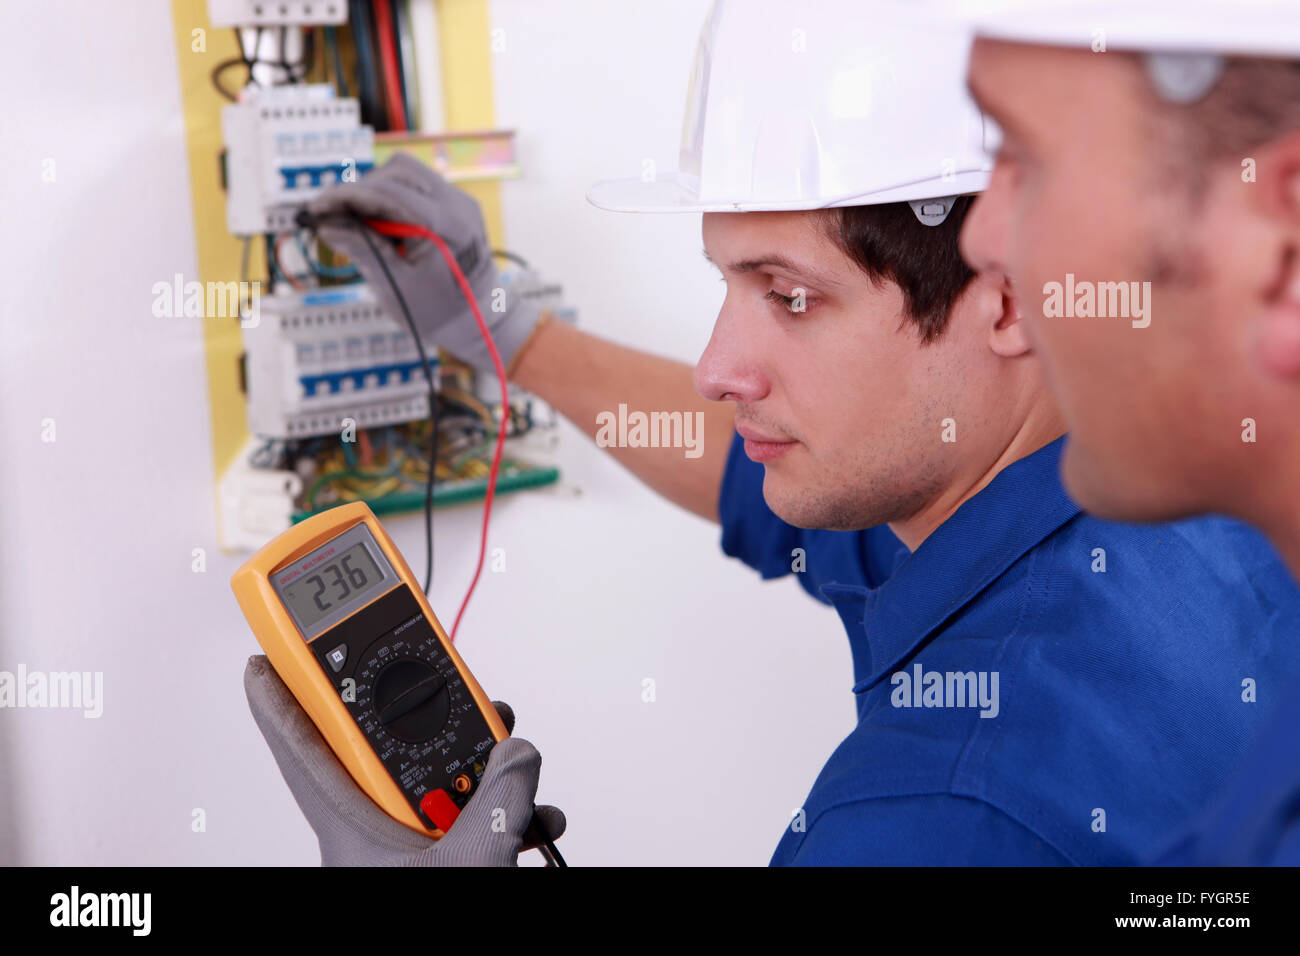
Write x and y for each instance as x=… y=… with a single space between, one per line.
x=335 y=584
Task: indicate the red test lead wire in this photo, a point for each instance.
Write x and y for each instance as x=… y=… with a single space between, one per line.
x=410 y=230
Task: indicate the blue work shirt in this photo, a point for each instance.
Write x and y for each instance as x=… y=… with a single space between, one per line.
x=1255 y=821
x=1122 y=696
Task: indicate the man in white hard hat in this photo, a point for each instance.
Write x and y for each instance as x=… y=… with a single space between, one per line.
x=876 y=423
x=1159 y=147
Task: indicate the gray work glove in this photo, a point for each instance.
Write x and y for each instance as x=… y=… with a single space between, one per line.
x=354 y=831
x=406 y=190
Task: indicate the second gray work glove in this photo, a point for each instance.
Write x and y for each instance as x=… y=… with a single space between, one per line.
x=354 y=831
x=406 y=190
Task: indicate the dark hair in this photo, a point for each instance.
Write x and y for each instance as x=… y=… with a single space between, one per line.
x=889 y=243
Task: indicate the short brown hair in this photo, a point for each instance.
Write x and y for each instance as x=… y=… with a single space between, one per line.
x=890 y=244
x=1254 y=101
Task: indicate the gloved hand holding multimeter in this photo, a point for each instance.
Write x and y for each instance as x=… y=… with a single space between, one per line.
x=384 y=737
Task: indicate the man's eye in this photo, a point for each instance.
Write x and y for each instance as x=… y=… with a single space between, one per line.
x=792 y=303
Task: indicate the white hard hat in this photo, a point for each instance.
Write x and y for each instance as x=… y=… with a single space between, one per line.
x=1264 y=28
x=1183 y=43
x=797 y=106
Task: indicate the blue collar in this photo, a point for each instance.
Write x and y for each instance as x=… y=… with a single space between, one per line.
x=1018 y=509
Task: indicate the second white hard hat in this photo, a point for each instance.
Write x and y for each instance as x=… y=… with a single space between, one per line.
x=1265 y=28
x=798 y=106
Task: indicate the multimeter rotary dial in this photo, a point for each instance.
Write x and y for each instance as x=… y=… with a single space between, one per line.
x=409 y=693
x=411 y=699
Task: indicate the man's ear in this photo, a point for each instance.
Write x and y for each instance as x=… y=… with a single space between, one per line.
x=1276 y=192
x=1001 y=310
x=1277 y=332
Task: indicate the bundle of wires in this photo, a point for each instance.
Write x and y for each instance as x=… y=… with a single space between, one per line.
x=391 y=460
x=381 y=50
x=382 y=40
x=276 y=267
x=294 y=72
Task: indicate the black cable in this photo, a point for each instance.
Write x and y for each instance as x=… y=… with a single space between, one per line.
x=368 y=82
x=297 y=72
x=243 y=276
x=308 y=61
x=221 y=68
x=517 y=260
x=244 y=58
x=268 y=240
x=537 y=833
x=284 y=63
x=433 y=402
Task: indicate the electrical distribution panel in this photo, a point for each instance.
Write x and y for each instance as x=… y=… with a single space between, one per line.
x=319 y=357
x=284 y=144
x=323 y=361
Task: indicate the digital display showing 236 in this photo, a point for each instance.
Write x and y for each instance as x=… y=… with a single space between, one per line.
x=334 y=584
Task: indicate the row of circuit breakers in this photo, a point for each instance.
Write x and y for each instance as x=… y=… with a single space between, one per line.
x=324 y=355
x=317 y=357
x=321 y=356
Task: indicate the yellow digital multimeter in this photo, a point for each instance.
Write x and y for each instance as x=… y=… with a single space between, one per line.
x=350 y=632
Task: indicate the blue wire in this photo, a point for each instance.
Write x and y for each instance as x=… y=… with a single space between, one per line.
x=276 y=272
x=332 y=41
x=329 y=272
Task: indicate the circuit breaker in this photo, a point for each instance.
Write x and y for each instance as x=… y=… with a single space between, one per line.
x=317 y=359
x=285 y=144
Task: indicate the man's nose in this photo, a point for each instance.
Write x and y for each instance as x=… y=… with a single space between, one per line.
x=984 y=232
x=729 y=370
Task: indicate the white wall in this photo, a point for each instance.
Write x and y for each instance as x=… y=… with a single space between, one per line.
x=605 y=584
